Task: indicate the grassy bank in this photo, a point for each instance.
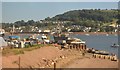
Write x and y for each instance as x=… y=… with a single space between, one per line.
x=16 y=51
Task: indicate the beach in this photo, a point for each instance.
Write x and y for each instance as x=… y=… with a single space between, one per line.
x=93 y=63
x=45 y=57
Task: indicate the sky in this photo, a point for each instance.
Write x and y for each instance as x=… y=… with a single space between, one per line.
x=15 y=11
x=0 y=14
x=60 y=0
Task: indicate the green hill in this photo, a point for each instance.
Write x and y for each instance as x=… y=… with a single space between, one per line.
x=81 y=15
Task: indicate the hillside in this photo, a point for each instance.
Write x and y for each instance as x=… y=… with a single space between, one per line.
x=96 y=19
x=82 y=15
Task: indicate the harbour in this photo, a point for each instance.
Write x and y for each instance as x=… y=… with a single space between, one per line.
x=74 y=46
x=100 y=42
x=58 y=35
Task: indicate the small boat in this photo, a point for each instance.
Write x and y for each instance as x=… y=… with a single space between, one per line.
x=75 y=40
x=102 y=52
x=87 y=34
x=45 y=38
x=115 y=45
x=107 y=34
x=60 y=37
x=14 y=37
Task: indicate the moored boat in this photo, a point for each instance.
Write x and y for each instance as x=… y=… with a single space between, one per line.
x=102 y=52
x=75 y=40
x=45 y=38
x=59 y=35
x=115 y=45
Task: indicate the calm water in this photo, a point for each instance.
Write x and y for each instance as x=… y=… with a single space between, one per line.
x=100 y=42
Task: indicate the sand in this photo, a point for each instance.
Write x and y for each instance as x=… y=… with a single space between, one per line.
x=44 y=57
x=93 y=63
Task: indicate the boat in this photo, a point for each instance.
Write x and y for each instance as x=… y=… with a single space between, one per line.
x=59 y=36
x=45 y=38
x=102 y=52
x=75 y=40
x=107 y=34
x=115 y=45
x=13 y=37
x=87 y=34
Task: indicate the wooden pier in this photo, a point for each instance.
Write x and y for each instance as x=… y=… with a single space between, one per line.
x=77 y=46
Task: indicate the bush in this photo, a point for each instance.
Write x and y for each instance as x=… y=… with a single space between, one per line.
x=17 y=51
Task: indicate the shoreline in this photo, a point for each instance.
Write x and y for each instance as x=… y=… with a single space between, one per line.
x=82 y=33
x=63 y=58
x=95 y=33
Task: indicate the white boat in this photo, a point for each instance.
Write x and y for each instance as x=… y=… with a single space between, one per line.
x=75 y=40
x=45 y=38
x=107 y=34
x=115 y=46
x=87 y=34
x=102 y=52
x=81 y=42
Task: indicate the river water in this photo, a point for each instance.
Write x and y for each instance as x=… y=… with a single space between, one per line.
x=99 y=42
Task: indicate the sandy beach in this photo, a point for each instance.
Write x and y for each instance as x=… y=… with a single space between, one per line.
x=45 y=56
x=92 y=63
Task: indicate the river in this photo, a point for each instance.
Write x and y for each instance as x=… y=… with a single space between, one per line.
x=100 y=42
